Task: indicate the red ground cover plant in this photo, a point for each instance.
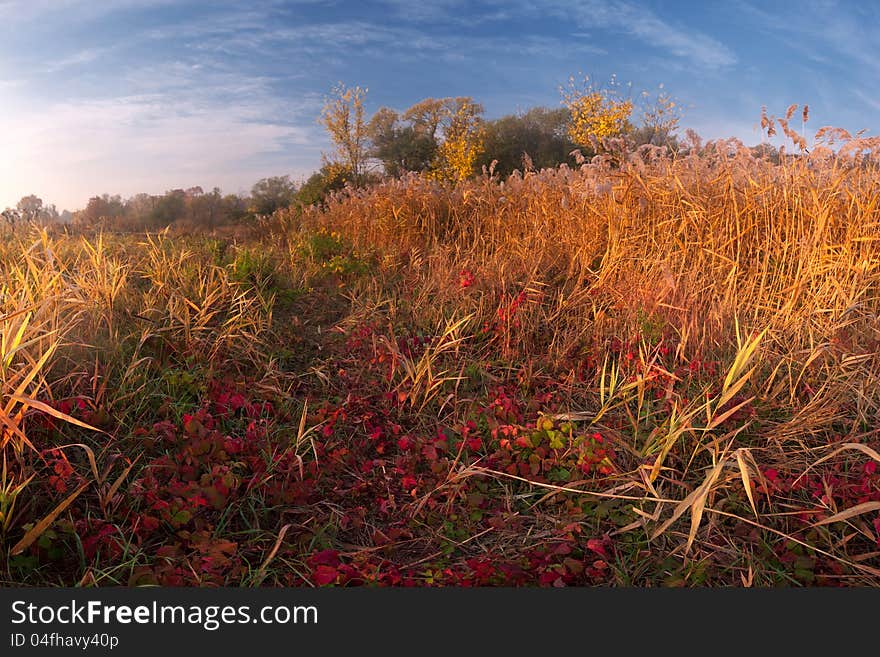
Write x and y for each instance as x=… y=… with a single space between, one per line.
x=371 y=494
x=366 y=491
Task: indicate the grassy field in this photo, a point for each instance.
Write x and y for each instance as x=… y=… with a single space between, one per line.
x=662 y=374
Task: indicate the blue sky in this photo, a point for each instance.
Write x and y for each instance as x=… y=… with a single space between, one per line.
x=127 y=96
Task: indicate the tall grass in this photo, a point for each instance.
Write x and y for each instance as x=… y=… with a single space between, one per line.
x=98 y=318
x=765 y=276
x=685 y=246
x=769 y=272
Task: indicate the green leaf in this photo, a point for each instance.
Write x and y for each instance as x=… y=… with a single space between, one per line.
x=181 y=518
x=559 y=474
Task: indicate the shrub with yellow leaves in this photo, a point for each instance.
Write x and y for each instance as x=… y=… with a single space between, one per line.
x=463 y=142
x=596 y=113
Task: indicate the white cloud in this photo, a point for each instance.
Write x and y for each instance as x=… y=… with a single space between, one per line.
x=78 y=58
x=820 y=30
x=69 y=150
x=871 y=101
x=16 y=12
x=642 y=23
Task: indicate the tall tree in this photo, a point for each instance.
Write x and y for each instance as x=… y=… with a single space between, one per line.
x=541 y=134
x=462 y=139
x=400 y=147
x=343 y=117
x=427 y=115
x=169 y=208
x=101 y=209
x=270 y=194
x=661 y=115
x=330 y=178
x=30 y=208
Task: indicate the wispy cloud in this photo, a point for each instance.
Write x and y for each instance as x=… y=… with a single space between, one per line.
x=136 y=95
x=824 y=31
x=418 y=12
x=642 y=23
x=361 y=38
x=22 y=11
x=870 y=101
x=449 y=11
x=227 y=133
x=78 y=58
x=614 y=15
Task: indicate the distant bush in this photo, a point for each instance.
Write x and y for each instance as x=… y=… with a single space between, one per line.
x=331 y=177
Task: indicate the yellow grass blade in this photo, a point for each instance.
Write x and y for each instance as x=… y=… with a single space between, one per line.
x=54 y=412
x=35 y=370
x=696 y=502
x=699 y=504
x=864 y=449
x=37 y=530
x=746 y=479
x=261 y=573
x=857 y=510
x=93 y=464
x=16 y=313
x=720 y=419
x=13 y=429
x=116 y=484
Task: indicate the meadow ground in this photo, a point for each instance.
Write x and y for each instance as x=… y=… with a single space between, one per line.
x=663 y=374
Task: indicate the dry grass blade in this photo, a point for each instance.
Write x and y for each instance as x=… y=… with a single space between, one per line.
x=699 y=504
x=37 y=530
x=108 y=497
x=302 y=433
x=736 y=375
x=696 y=502
x=744 y=475
x=857 y=566
x=261 y=573
x=864 y=449
x=31 y=375
x=9 y=493
x=301 y=430
x=90 y=455
x=718 y=420
x=678 y=424
x=474 y=469
x=16 y=313
x=421 y=381
x=12 y=429
x=54 y=412
x=857 y=510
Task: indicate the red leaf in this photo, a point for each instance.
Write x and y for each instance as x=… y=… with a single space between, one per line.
x=325 y=558
x=324 y=575
x=598 y=547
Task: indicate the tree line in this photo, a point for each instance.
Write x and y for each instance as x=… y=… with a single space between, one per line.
x=448 y=139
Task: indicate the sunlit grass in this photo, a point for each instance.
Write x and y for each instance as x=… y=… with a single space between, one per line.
x=688 y=339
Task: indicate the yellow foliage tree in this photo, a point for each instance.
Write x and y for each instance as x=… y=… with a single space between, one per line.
x=463 y=141
x=343 y=117
x=595 y=113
